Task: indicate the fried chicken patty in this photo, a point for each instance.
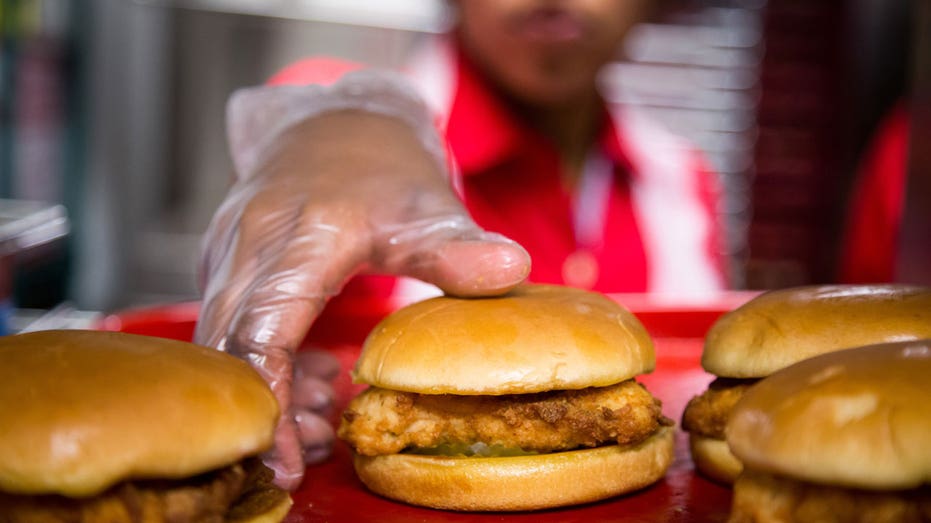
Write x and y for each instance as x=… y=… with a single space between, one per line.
x=765 y=498
x=380 y=421
x=204 y=499
x=707 y=413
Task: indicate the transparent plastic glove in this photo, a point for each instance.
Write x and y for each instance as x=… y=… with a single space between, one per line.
x=334 y=193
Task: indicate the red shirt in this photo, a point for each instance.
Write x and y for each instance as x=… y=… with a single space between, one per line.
x=511 y=181
x=875 y=211
x=513 y=184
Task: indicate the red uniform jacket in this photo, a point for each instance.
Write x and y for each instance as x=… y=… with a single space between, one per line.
x=642 y=218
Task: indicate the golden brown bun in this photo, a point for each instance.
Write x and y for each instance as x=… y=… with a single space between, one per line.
x=713 y=459
x=271 y=514
x=261 y=501
x=855 y=418
x=93 y=408
x=521 y=482
x=781 y=327
x=766 y=498
x=535 y=338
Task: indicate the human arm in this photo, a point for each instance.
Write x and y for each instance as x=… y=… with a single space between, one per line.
x=359 y=185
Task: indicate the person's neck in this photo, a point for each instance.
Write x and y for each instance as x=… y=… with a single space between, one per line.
x=572 y=128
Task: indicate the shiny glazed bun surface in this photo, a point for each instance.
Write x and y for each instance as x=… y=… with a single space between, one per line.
x=535 y=338
x=781 y=327
x=83 y=410
x=858 y=418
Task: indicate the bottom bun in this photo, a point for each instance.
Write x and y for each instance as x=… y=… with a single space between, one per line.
x=520 y=482
x=240 y=493
x=270 y=506
x=273 y=513
x=713 y=459
x=261 y=500
x=760 y=497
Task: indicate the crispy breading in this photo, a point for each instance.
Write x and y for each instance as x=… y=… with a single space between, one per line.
x=707 y=413
x=380 y=421
x=203 y=499
x=765 y=498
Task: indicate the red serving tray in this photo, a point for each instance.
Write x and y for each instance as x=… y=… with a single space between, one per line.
x=331 y=492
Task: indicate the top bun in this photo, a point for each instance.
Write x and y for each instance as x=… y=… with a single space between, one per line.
x=858 y=418
x=83 y=410
x=781 y=327
x=535 y=338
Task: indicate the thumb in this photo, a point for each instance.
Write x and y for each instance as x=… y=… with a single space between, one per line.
x=475 y=264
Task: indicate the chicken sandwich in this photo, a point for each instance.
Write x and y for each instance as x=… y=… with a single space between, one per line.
x=113 y=427
x=844 y=436
x=518 y=402
x=782 y=327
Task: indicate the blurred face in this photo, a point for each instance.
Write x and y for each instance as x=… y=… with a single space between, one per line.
x=546 y=52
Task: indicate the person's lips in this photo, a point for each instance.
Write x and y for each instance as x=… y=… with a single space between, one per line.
x=550 y=25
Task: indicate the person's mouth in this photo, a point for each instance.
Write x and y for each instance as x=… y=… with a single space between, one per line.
x=550 y=25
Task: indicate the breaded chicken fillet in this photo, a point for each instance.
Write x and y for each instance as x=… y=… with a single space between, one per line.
x=380 y=421
x=707 y=413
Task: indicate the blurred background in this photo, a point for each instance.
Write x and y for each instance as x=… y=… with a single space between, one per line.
x=113 y=115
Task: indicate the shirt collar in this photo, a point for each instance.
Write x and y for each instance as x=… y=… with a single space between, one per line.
x=483 y=132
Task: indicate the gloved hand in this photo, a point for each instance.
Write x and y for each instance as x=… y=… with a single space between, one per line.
x=347 y=189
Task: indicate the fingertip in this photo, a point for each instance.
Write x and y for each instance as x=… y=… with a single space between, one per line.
x=482 y=268
x=285 y=458
x=317 y=363
x=287 y=480
x=316 y=455
x=287 y=476
x=312 y=393
x=316 y=436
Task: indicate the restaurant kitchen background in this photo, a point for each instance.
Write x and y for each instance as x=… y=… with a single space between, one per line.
x=112 y=121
